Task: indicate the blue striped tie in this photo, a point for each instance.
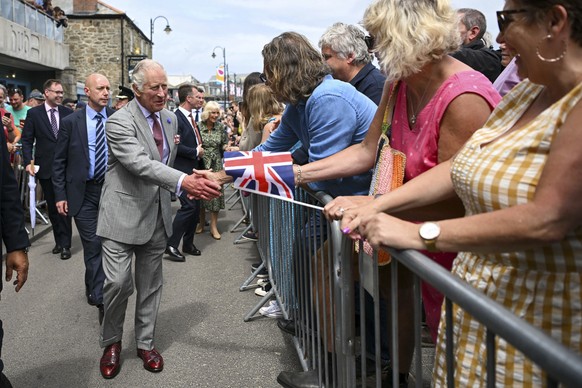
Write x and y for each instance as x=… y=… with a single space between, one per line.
x=100 y=150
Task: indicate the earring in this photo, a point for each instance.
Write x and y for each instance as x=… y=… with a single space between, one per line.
x=551 y=60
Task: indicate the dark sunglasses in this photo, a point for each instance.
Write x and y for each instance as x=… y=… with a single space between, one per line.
x=263 y=77
x=504 y=18
x=369 y=40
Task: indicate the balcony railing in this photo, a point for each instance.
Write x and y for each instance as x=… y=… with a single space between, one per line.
x=32 y=18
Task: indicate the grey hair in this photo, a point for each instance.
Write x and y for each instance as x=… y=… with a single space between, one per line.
x=472 y=17
x=140 y=70
x=346 y=39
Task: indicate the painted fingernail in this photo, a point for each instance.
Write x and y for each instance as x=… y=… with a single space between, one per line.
x=346 y=230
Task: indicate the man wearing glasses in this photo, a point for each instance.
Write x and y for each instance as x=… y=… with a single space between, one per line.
x=42 y=124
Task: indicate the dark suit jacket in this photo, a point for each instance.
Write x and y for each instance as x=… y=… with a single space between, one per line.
x=12 y=231
x=481 y=58
x=187 y=156
x=370 y=82
x=71 y=161
x=37 y=126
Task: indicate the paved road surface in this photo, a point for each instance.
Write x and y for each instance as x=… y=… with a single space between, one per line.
x=51 y=333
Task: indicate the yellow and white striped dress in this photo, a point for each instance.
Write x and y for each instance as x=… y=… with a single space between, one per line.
x=543 y=285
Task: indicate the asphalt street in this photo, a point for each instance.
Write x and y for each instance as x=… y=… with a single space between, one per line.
x=51 y=333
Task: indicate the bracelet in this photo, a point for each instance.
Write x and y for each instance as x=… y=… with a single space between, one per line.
x=299 y=179
x=271 y=120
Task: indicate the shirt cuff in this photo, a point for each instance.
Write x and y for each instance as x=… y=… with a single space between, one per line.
x=179 y=185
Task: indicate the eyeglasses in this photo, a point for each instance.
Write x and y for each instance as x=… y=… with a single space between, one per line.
x=263 y=78
x=56 y=91
x=504 y=19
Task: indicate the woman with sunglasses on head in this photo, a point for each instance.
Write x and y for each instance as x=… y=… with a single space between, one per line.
x=521 y=239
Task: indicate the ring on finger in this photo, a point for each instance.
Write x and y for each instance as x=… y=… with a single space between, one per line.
x=342 y=210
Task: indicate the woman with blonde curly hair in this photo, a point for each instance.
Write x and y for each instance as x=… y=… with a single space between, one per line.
x=437 y=103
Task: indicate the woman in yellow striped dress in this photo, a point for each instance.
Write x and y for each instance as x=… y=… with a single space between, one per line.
x=519 y=179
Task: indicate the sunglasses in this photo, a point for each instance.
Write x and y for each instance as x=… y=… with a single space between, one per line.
x=504 y=18
x=369 y=40
x=263 y=78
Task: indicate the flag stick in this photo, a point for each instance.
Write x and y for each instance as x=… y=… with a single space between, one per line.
x=281 y=198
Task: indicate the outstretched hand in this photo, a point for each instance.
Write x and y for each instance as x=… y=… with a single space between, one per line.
x=199 y=186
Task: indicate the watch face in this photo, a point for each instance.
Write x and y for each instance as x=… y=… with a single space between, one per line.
x=429 y=231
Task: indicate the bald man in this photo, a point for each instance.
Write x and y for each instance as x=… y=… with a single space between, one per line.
x=78 y=174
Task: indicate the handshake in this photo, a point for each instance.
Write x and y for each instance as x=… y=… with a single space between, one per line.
x=204 y=184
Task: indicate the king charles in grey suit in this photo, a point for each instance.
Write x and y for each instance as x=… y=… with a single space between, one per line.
x=135 y=216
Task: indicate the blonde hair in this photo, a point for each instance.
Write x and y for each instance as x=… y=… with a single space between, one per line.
x=210 y=106
x=262 y=105
x=408 y=34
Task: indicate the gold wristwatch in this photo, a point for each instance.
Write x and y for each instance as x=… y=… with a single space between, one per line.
x=429 y=233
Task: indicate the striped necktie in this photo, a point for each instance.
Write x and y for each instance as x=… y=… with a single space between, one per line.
x=54 y=126
x=158 y=137
x=100 y=150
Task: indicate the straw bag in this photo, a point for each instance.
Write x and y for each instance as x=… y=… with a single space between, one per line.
x=388 y=169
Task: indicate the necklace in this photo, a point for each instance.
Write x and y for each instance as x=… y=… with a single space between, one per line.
x=413 y=117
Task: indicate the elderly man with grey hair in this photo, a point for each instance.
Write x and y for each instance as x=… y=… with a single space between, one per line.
x=346 y=49
x=135 y=215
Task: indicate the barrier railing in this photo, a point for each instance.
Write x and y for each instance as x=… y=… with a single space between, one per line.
x=313 y=278
x=32 y=18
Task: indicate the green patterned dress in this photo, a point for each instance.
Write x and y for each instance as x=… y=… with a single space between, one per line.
x=213 y=141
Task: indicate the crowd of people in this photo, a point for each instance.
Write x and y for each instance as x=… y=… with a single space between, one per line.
x=483 y=192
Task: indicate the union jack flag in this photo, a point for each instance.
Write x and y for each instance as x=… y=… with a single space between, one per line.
x=264 y=172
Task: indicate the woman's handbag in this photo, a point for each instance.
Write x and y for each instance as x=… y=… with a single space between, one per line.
x=388 y=169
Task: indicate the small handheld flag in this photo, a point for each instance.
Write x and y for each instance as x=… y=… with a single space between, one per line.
x=270 y=173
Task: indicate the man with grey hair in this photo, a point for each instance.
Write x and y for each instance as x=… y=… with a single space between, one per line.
x=135 y=215
x=345 y=49
x=474 y=51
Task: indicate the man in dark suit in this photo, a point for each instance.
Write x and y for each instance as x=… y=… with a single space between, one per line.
x=42 y=124
x=12 y=233
x=78 y=174
x=188 y=157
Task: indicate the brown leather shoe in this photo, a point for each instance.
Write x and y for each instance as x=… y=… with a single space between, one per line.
x=152 y=360
x=111 y=361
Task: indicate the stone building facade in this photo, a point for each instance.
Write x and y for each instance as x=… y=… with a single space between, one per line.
x=101 y=39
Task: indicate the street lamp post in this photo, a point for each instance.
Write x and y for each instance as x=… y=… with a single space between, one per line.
x=226 y=89
x=167 y=30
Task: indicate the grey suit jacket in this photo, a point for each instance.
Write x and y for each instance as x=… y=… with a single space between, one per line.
x=136 y=182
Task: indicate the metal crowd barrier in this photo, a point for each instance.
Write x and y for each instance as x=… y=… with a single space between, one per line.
x=311 y=267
